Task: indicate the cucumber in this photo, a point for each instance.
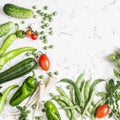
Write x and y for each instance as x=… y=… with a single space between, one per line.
x=17 y=11
x=5 y=28
x=18 y=70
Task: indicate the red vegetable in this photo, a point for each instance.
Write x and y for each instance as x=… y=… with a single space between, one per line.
x=29 y=33
x=102 y=111
x=34 y=36
x=44 y=62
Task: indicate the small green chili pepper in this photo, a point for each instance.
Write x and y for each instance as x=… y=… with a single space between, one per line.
x=20 y=34
x=12 y=54
x=27 y=89
x=7 y=42
x=4 y=96
x=51 y=111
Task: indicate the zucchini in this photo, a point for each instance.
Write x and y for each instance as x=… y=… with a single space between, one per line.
x=17 y=11
x=18 y=70
x=5 y=28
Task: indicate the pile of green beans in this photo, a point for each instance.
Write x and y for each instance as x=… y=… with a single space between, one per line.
x=81 y=100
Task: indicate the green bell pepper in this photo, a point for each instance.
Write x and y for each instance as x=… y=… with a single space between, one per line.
x=27 y=89
x=51 y=111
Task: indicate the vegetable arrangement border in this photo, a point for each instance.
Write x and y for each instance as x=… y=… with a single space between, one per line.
x=82 y=93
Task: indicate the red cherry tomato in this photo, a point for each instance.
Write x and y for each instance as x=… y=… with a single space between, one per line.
x=29 y=33
x=44 y=62
x=34 y=36
x=102 y=111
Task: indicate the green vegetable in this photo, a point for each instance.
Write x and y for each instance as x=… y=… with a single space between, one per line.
x=41 y=76
x=51 y=111
x=27 y=89
x=5 y=28
x=62 y=104
x=50 y=74
x=77 y=92
x=18 y=70
x=23 y=113
x=12 y=54
x=56 y=72
x=34 y=7
x=46 y=7
x=4 y=96
x=62 y=92
x=91 y=97
x=7 y=42
x=20 y=34
x=118 y=63
x=54 y=13
x=17 y=11
x=68 y=103
x=79 y=80
x=112 y=57
x=51 y=46
x=45 y=47
x=34 y=106
x=117 y=74
x=95 y=83
x=51 y=32
x=87 y=89
x=81 y=97
x=112 y=96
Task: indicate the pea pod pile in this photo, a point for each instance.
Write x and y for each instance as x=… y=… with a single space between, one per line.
x=82 y=97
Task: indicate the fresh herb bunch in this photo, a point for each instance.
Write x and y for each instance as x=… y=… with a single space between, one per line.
x=112 y=96
x=23 y=112
x=115 y=57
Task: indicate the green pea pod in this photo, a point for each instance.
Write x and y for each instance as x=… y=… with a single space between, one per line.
x=4 y=96
x=7 y=42
x=27 y=89
x=12 y=54
x=51 y=111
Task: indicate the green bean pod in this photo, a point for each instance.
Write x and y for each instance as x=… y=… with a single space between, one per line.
x=7 y=42
x=73 y=95
x=71 y=107
x=95 y=83
x=62 y=92
x=12 y=54
x=77 y=91
x=68 y=102
x=5 y=95
x=91 y=97
x=87 y=90
x=62 y=104
x=79 y=80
